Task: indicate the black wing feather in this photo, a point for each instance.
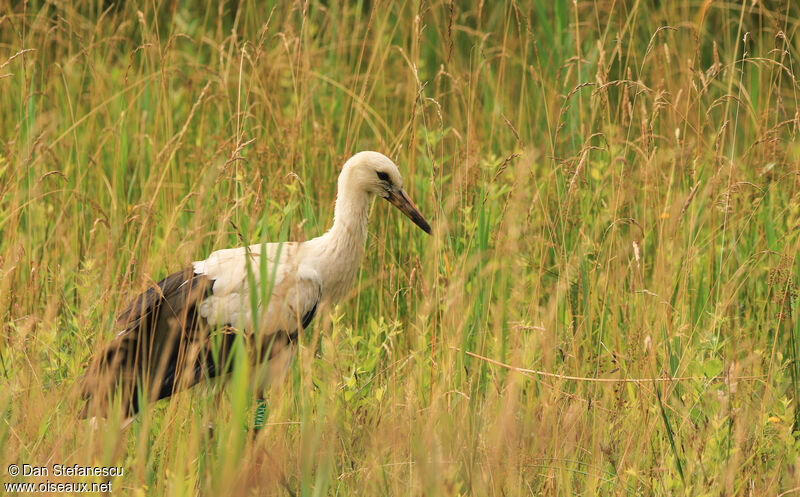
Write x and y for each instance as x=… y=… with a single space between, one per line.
x=165 y=347
x=163 y=333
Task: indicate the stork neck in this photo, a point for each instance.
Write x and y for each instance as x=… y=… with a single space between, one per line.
x=340 y=250
x=350 y=217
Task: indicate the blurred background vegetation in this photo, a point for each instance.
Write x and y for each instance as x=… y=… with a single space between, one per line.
x=613 y=187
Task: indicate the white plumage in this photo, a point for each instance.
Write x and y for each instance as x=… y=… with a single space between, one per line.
x=164 y=345
x=296 y=287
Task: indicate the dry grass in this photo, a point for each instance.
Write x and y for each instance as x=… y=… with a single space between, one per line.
x=614 y=191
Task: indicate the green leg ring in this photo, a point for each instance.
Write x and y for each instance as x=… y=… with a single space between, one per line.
x=261 y=414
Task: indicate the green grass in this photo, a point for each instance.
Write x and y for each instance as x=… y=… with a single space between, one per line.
x=615 y=194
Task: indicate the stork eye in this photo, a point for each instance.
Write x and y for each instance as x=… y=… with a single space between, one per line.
x=383 y=176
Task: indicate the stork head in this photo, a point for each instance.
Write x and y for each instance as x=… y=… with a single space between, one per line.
x=375 y=174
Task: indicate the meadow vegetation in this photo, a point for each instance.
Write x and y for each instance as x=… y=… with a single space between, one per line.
x=608 y=304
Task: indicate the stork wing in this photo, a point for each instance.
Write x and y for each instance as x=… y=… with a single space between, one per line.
x=159 y=328
x=165 y=336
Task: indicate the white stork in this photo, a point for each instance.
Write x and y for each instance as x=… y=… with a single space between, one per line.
x=180 y=332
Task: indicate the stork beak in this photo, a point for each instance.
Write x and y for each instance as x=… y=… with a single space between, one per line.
x=400 y=200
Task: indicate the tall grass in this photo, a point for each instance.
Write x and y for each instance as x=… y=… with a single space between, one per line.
x=615 y=197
